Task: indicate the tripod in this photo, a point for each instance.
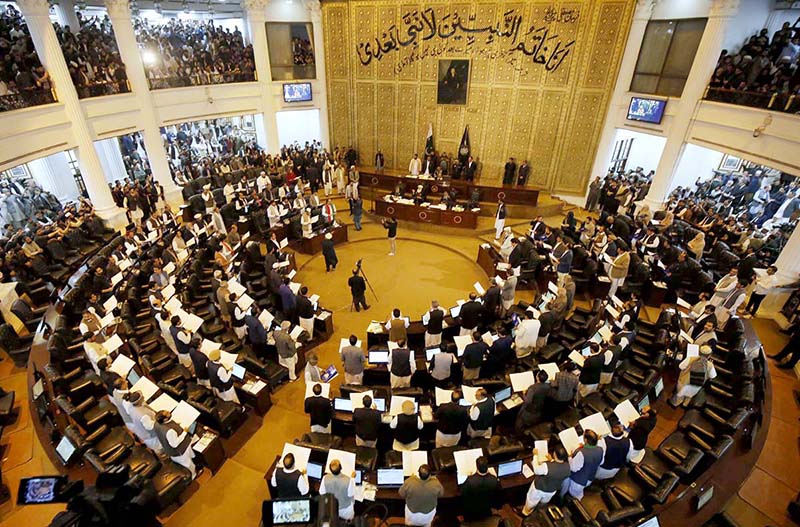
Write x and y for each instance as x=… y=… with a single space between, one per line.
x=364 y=276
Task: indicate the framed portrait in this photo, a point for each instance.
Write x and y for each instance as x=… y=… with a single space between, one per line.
x=453 y=81
x=730 y=164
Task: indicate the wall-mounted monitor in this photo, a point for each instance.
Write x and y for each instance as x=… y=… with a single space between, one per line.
x=646 y=110
x=297 y=92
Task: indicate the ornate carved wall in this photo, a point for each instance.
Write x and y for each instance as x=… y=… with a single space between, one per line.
x=541 y=77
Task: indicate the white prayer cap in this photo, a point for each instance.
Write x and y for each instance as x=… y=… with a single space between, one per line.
x=328 y=236
x=206 y=186
x=198 y=216
x=286 y=324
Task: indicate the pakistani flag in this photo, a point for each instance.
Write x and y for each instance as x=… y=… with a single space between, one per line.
x=463 y=148
x=429 y=140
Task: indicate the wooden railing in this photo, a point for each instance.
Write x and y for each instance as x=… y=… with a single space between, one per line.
x=780 y=102
x=26 y=99
x=161 y=83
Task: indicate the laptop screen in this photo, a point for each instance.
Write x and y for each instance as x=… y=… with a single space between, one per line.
x=238 y=371
x=314 y=470
x=342 y=405
x=359 y=476
x=509 y=468
x=380 y=404
x=644 y=403
x=65 y=449
x=503 y=394
x=659 y=387
x=390 y=477
x=133 y=377
x=379 y=357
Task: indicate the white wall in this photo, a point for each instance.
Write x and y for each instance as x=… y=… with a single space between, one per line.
x=779 y=16
x=696 y=162
x=298 y=125
x=676 y=9
x=645 y=151
x=752 y=17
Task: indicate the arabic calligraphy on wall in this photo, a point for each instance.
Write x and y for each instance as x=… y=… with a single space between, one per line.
x=509 y=38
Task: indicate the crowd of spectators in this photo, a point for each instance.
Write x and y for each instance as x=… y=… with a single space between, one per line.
x=763 y=73
x=134 y=156
x=92 y=57
x=23 y=80
x=23 y=203
x=193 y=53
x=138 y=196
x=302 y=51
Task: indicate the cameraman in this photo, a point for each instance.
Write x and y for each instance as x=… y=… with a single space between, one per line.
x=391 y=227
x=357 y=288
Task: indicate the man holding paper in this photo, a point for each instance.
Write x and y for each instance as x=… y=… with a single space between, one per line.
x=367 y=423
x=451 y=421
x=288 y=480
x=480 y=415
x=583 y=464
x=434 y=322
x=591 y=370
x=319 y=408
x=473 y=357
x=176 y=442
x=401 y=365
x=287 y=349
x=526 y=335
x=421 y=493
x=480 y=493
x=353 y=361
x=532 y=410
x=342 y=486
x=220 y=378
x=617 y=450
x=305 y=312
x=551 y=470
x=406 y=426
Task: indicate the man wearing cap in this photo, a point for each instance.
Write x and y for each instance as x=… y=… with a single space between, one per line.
x=143 y=420
x=176 y=442
x=287 y=349
x=694 y=373
x=220 y=377
x=421 y=492
x=329 y=253
x=208 y=199
x=342 y=486
x=480 y=415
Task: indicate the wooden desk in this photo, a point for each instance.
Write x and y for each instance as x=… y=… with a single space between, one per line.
x=314 y=245
x=466 y=219
x=386 y=180
x=260 y=401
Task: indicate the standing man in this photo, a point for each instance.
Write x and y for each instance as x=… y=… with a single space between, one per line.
x=391 y=230
x=508 y=292
x=480 y=493
x=473 y=357
x=329 y=253
x=289 y=482
x=471 y=314
x=421 y=493
x=471 y=169
x=340 y=486
x=357 y=288
x=619 y=270
x=401 y=365
x=551 y=470
x=176 y=442
x=367 y=423
x=509 y=172
x=524 y=171
x=434 y=325
x=220 y=378
x=353 y=360
x=583 y=465
x=287 y=349
x=305 y=311
x=379 y=161
x=415 y=166
x=357 y=209
x=451 y=421
x=319 y=408
x=480 y=415
x=500 y=218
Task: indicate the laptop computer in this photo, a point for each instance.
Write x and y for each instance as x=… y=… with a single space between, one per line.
x=503 y=394
x=378 y=357
x=380 y=404
x=342 y=405
x=238 y=371
x=645 y=402
x=509 y=468
x=314 y=470
x=390 y=477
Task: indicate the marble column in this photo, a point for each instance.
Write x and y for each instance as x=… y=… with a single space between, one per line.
x=255 y=20
x=67 y=15
x=788 y=264
x=53 y=174
x=620 y=98
x=36 y=13
x=111 y=159
x=315 y=11
x=722 y=11
x=120 y=14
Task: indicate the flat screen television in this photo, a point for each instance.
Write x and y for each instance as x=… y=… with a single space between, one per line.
x=297 y=92
x=646 y=110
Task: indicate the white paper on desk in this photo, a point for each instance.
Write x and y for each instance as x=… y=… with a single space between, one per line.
x=347 y=460
x=570 y=439
x=292 y=273
x=283 y=243
x=613 y=312
x=146 y=387
x=295 y=333
x=163 y=402
x=604 y=279
x=617 y=301
x=552 y=287
x=314 y=299
x=392 y=346
x=462 y=341
x=324 y=315
x=185 y=414
x=122 y=365
x=117 y=278
x=192 y=322
x=112 y=344
x=396 y=406
x=521 y=381
x=465 y=462
x=227 y=359
x=173 y=305
x=576 y=357
x=605 y=332
x=626 y=412
x=692 y=350
x=110 y=304
x=470 y=393
x=551 y=368
x=245 y=301
x=281 y=265
x=597 y=423
x=169 y=268
x=685 y=336
x=266 y=319
x=527 y=471
x=541 y=448
x=107 y=320
x=326 y=389
x=300 y=453
x=357 y=398
x=294 y=286
x=443 y=396
x=413 y=460
x=479 y=288
x=124 y=264
x=237 y=288
x=346 y=342
x=206 y=346
x=257 y=387
x=683 y=303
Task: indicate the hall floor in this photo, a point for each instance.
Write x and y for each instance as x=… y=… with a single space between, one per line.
x=427 y=266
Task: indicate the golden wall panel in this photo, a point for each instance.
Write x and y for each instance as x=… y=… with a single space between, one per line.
x=523 y=100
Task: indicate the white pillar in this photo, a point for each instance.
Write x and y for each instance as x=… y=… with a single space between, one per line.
x=255 y=20
x=261 y=132
x=53 y=174
x=702 y=68
x=111 y=158
x=641 y=16
x=315 y=11
x=120 y=15
x=788 y=264
x=36 y=13
x=67 y=15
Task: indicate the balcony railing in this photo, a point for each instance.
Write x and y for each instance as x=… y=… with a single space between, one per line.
x=26 y=99
x=204 y=79
x=99 y=89
x=779 y=102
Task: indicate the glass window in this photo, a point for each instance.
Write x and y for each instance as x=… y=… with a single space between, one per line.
x=291 y=50
x=666 y=56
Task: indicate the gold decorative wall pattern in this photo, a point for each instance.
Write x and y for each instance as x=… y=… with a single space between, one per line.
x=541 y=76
